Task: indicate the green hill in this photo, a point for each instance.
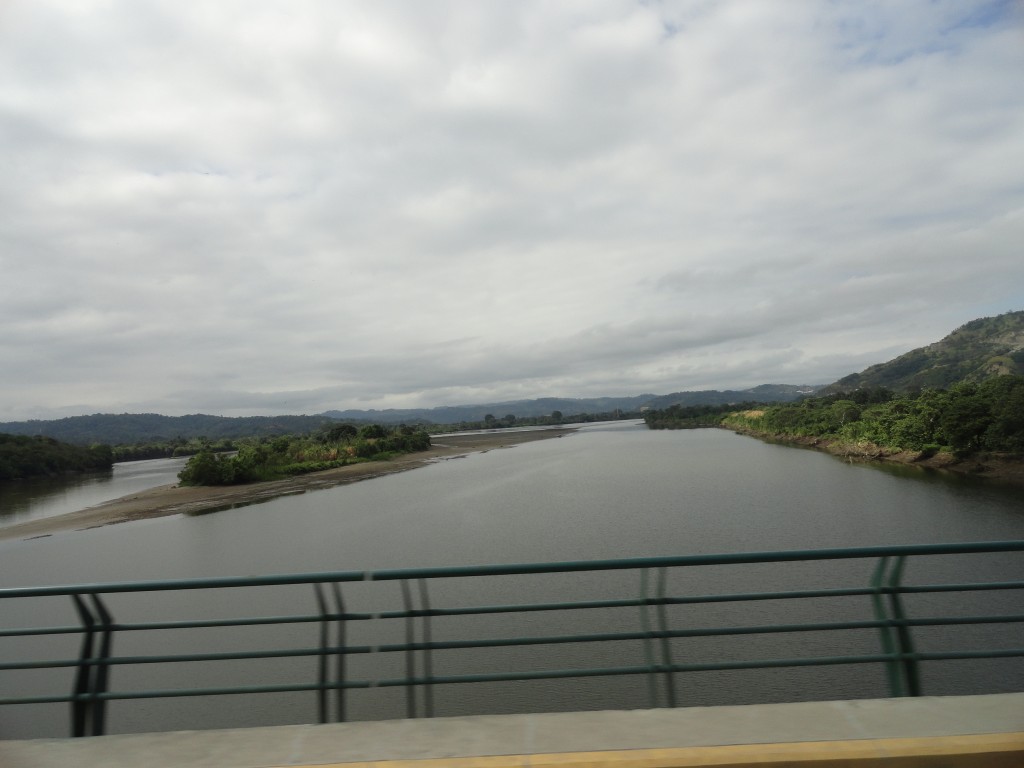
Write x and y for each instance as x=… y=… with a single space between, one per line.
x=979 y=350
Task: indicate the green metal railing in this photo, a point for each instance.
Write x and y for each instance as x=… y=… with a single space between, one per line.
x=885 y=592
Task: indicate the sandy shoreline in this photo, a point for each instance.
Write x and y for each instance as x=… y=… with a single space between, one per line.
x=167 y=500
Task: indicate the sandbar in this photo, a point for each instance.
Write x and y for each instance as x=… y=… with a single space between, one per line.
x=167 y=500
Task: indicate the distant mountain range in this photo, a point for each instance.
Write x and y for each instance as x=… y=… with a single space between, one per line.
x=132 y=428
x=982 y=348
x=545 y=406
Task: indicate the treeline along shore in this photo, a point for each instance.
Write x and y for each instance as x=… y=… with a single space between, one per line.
x=22 y=456
x=971 y=428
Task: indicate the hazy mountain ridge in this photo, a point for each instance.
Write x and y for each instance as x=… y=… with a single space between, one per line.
x=978 y=350
x=131 y=428
x=763 y=393
x=455 y=414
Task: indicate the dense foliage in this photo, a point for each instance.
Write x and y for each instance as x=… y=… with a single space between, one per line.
x=333 y=446
x=692 y=416
x=22 y=456
x=964 y=419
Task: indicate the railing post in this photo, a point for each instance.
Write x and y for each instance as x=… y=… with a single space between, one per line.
x=428 y=662
x=665 y=664
x=342 y=657
x=666 y=647
x=321 y=694
x=892 y=667
x=323 y=706
x=88 y=712
x=908 y=654
x=101 y=673
x=645 y=625
x=410 y=653
x=80 y=704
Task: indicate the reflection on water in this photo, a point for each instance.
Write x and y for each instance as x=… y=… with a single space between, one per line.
x=47 y=497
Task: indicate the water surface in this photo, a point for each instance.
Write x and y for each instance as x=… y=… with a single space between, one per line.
x=38 y=498
x=608 y=491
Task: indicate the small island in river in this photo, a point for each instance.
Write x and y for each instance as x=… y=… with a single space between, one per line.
x=178 y=499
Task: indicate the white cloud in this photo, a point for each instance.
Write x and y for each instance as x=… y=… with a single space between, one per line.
x=246 y=207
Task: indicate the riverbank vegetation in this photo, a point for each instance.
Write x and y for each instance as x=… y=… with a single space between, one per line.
x=965 y=419
x=273 y=458
x=693 y=416
x=22 y=456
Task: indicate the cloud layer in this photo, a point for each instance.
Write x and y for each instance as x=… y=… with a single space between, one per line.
x=250 y=207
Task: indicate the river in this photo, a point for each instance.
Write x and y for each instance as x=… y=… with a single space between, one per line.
x=608 y=491
x=48 y=497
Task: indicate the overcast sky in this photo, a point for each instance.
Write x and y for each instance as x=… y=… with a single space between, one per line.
x=286 y=207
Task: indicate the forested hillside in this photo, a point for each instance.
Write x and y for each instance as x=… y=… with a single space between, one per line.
x=961 y=395
x=981 y=349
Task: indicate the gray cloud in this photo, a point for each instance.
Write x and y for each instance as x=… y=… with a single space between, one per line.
x=242 y=208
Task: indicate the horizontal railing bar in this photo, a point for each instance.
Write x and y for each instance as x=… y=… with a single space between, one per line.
x=705 y=667
x=177 y=584
x=627 y=602
x=739 y=558
x=241 y=622
x=443 y=645
x=188 y=658
x=534 y=675
x=696 y=599
x=971 y=587
x=631 y=602
x=244 y=622
x=476 y=678
x=37 y=700
x=525 y=608
x=611 y=671
x=998 y=653
x=186 y=692
x=700 y=632
x=518 y=641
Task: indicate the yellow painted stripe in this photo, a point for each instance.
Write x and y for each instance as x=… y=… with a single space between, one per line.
x=996 y=750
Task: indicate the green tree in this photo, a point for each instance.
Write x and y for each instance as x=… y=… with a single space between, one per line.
x=372 y=432
x=202 y=469
x=965 y=419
